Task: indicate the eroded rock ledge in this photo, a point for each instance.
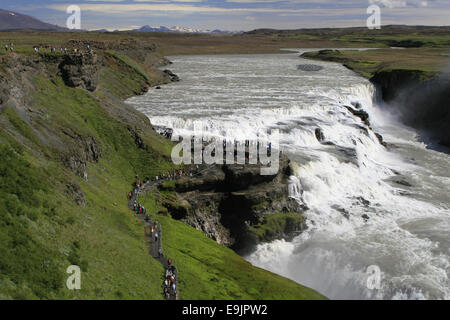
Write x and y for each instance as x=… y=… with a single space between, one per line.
x=236 y=206
x=80 y=70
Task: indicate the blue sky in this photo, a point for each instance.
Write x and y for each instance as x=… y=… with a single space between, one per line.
x=234 y=14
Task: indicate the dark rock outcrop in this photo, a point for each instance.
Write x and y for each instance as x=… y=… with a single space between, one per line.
x=82 y=150
x=173 y=76
x=73 y=191
x=319 y=135
x=421 y=100
x=363 y=201
x=356 y=104
x=392 y=82
x=405 y=43
x=227 y=202
x=80 y=71
x=309 y=67
x=403 y=183
x=380 y=139
x=363 y=115
x=343 y=211
x=137 y=138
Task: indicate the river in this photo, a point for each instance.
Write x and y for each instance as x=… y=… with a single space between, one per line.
x=362 y=211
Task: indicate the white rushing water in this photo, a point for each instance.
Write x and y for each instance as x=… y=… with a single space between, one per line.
x=358 y=215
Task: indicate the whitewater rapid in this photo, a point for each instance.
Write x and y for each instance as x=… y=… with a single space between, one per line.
x=361 y=213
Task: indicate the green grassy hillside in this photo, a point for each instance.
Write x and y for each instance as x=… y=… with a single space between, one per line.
x=208 y=270
x=43 y=230
x=52 y=217
x=427 y=61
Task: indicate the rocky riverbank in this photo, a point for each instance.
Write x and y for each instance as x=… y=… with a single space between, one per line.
x=418 y=95
x=235 y=205
x=421 y=100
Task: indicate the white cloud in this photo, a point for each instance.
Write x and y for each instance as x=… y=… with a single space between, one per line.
x=292 y=14
x=399 y=3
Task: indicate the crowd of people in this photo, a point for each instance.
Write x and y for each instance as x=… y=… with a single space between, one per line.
x=170 y=276
x=170 y=281
x=176 y=174
x=138 y=184
x=9 y=47
x=169 y=175
x=248 y=146
x=137 y=207
x=62 y=50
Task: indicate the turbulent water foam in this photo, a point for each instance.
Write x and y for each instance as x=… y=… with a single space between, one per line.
x=358 y=215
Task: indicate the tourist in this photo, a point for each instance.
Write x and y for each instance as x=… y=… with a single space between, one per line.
x=174 y=289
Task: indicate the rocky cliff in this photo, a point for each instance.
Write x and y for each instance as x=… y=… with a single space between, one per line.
x=69 y=149
x=421 y=100
x=80 y=70
x=236 y=206
x=417 y=95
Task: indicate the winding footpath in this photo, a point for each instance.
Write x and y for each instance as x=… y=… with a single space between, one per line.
x=154 y=239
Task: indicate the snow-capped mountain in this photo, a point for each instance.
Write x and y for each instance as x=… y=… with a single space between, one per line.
x=178 y=29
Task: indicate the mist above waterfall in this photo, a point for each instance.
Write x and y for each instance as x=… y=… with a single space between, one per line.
x=424 y=105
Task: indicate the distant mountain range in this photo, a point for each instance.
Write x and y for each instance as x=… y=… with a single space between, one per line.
x=178 y=29
x=10 y=20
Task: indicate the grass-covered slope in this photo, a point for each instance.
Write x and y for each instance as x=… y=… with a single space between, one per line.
x=51 y=217
x=207 y=270
x=424 y=61
x=53 y=137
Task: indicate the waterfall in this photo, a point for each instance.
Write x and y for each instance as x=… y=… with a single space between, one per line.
x=358 y=216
